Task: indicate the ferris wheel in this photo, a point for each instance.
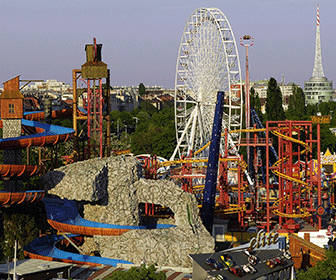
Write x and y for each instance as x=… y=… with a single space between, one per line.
x=207 y=62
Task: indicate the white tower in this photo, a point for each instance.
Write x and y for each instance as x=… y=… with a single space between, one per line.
x=318 y=68
x=318 y=88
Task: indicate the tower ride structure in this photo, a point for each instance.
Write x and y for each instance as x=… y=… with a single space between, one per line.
x=318 y=88
x=95 y=102
x=247 y=41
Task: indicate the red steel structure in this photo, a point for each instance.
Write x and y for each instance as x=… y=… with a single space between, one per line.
x=299 y=194
x=96 y=100
x=289 y=192
x=296 y=192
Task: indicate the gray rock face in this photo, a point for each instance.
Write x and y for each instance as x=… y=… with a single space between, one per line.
x=116 y=199
x=11 y=128
x=122 y=203
x=166 y=247
x=81 y=181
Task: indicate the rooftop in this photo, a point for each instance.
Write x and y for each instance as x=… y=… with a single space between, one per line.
x=30 y=266
x=239 y=258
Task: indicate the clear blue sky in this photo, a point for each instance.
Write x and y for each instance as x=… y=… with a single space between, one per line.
x=44 y=39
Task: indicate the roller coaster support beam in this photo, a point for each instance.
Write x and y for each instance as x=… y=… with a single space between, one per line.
x=267 y=182
x=209 y=193
x=76 y=73
x=108 y=117
x=319 y=195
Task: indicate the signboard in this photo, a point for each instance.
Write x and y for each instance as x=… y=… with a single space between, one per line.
x=321 y=119
x=264 y=239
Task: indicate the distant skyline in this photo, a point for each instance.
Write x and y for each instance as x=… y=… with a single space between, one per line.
x=45 y=39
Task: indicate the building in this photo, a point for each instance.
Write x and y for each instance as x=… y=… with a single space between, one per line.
x=318 y=88
x=269 y=264
x=126 y=98
x=35 y=269
x=306 y=253
x=49 y=85
x=32 y=269
x=260 y=87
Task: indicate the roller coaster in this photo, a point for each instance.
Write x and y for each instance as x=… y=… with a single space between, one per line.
x=285 y=193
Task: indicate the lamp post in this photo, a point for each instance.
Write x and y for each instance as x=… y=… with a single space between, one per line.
x=247 y=41
x=136 y=121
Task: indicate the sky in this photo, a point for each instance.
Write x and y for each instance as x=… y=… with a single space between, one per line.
x=45 y=39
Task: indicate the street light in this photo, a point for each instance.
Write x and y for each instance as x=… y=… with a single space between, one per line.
x=136 y=121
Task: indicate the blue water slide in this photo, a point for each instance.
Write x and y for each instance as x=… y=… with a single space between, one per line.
x=49 y=129
x=66 y=211
x=46 y=246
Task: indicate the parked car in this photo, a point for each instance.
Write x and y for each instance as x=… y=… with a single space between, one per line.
x=226 y=259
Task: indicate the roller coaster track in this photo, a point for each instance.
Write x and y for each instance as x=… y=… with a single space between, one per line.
x=191 y=160
x=242 y=163
x=236 y=208
x=304 y=213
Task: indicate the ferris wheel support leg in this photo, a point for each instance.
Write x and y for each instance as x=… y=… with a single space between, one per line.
x=200 y=121
x=235 y=151
x=193 y=129
x=182 y=136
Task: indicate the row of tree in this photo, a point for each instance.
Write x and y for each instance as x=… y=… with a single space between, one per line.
x=153 y=131
x=145 y=130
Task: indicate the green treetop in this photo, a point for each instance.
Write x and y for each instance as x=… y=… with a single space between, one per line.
x=274 y=109
x=323 y=270
x=255 y=103
x=142 y=89
x=296 y=106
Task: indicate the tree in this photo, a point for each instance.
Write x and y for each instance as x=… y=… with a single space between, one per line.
x=255 y=103
x=311 y=110
x=328 y=139
x=323 y=270
x=327 y=108
x=138 y=273
x=142 y=89
x=296 y=106
x=155 y=134
x=274 y=109
x=20 y=223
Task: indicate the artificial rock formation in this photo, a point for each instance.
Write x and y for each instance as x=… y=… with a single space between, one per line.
x=110 y=191
x=121 y=205
x=81 y=181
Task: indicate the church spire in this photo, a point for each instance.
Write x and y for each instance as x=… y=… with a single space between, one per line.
x=318 y=68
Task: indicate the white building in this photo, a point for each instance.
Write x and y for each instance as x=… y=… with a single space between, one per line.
x=49 y=85
x=260 y=87
x=318 y=88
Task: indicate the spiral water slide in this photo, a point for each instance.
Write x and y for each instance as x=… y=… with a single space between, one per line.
x=42 y=134
x=62 y=215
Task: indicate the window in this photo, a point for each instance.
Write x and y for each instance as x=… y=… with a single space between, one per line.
x=11 y=108
x=218 y=231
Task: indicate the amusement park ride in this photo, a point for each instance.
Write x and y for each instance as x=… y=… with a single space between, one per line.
x=96 y=101
x=278 y=187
